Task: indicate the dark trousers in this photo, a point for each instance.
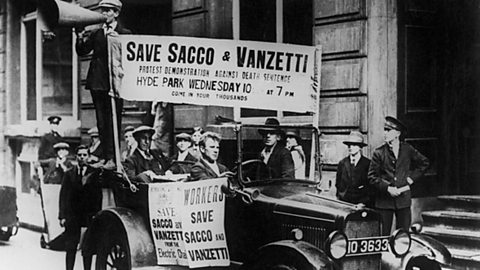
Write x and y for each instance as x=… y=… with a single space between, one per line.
x=403 y=216
x=103 y=111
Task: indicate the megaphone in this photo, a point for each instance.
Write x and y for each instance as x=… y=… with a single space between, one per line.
x=58 y=13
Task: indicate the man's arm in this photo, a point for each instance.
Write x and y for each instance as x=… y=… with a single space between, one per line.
x=339 y=184
x=288 y=169
x=198 y=172
x=420 y=164
x=374 y=173
x=84 y=43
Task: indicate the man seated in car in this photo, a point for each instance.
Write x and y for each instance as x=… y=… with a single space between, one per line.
x=278 y=160
x=145 y=165
x=183 y=160
x=208 y=167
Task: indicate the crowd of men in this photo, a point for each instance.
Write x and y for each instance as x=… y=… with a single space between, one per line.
x=382 y=183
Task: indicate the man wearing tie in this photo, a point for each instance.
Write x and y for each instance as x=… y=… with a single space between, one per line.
x=80 y=200
x=98 y=77
x=395 y=166
x=351 y=180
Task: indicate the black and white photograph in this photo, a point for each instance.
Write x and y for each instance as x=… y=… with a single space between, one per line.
x=240 y=134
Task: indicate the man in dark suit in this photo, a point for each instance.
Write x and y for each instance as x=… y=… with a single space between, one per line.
x=46 y=151
x=98 y=77
x=145 y=165
x=184 y=158
x=351 y=180
x=208 y=167
x=278 y=160
x=80 y=200
x=395 y=166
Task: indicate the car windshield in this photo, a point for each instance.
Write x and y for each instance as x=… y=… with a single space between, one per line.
x=270 y=153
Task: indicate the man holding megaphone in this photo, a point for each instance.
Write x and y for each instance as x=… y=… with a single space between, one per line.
x=98 y=77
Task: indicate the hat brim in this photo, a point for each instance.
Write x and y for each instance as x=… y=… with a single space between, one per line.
x=138 y=133
x=355 y=143
x=264 y=131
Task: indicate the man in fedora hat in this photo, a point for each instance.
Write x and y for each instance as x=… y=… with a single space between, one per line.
x=351 y=179
x=278 y=160
x=144 y=165
x=395 y=166
x=98 y=77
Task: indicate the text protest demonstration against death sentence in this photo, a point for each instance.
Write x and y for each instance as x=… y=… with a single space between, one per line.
x=218 y=72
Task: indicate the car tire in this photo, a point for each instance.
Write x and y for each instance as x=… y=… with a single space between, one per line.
x=113 y=250
x=5 y=236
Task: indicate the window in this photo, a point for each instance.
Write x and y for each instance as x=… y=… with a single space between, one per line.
x=48 y=73
x=283 y=21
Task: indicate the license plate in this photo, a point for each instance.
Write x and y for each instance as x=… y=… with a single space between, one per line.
x=371 y=245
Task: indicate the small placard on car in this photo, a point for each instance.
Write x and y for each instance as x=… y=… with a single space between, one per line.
x=369 y=245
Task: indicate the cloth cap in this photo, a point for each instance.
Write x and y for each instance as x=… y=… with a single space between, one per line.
x=293 y=134
x=272 y=126
x=393 y=123
x=61 y=145
x=93 y=131
x=355 y=138
x=111 y=4
x=183 y=136
x=143 y=129
x=54 y=119
x=128 y=129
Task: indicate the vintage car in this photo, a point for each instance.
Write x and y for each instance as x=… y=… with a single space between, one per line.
x=8 y=212
x=269 y=224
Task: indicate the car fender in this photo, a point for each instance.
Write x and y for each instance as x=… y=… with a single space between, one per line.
x=310 y=256
x=422 y=247
x=141 y=247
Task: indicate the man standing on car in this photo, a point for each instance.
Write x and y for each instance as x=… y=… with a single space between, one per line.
x=395 y=166
x=278 y=160
x=98 y=77
x=208 y=167
x=351 y=179
x=80 y=199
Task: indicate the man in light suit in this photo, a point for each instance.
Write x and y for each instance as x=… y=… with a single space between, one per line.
x=278 y=160
x=208 y=167
x=394 y=168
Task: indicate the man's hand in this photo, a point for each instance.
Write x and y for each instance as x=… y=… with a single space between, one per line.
x=393 y=191
x=409 y=181
x=62 y=222
x=150 y=174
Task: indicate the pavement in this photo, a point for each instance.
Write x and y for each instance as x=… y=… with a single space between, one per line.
x=23 y=252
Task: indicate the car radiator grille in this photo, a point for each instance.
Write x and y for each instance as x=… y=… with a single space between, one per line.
x=313 y=235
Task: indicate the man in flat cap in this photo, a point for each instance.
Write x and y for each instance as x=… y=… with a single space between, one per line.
x=130 y=142
x=145 y=164
x=57 y=166
x=98 y=77
x=95 y=147
x=278 y=160
x=395 y=166
x=46 y=150
x=351 y=179
x=184 y=158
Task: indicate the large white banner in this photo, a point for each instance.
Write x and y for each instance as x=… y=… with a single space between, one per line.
x=218 y=72
x=187 y=223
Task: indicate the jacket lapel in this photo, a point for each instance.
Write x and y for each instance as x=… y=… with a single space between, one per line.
x=209 y=169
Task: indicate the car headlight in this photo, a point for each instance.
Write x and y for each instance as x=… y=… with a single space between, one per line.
x=400 y=242
x=336 y=245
